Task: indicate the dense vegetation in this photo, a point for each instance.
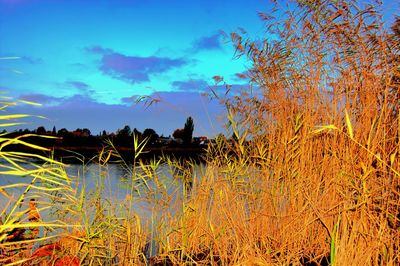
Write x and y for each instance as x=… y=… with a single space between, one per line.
x=121 y=138
x=313 y=176
x=64 y=144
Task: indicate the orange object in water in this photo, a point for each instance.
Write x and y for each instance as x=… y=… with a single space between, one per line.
x=46 y=251
x=33 y=213
x=67 y=260
x=49 y=253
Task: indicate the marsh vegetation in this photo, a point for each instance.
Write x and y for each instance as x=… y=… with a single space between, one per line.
x=312 y=176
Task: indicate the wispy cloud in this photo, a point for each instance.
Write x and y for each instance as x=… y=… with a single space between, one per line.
x=75 y=100
x=78 y=85
x=32 y=60
x=134 y=69
x=22 y=59
x=190 y=85
x=79 y=101
x=98 y=49
x=179 y=105
x=130 y=100
x=212 y=42
x=169 y=113
x=41 y=98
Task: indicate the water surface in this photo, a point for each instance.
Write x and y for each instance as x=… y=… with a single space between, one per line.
x=116 y=185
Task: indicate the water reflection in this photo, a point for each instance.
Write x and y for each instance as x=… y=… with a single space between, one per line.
x=147 y=190
x=145 y=194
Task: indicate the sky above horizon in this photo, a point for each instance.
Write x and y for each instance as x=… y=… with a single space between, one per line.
x=88 y=61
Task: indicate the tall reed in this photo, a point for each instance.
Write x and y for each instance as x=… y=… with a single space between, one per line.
x=312 y=171
x=310 y=175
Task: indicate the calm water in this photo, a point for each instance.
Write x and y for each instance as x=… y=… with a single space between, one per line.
x=117 y=183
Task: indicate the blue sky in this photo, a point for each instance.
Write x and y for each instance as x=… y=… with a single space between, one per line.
x=87 y=61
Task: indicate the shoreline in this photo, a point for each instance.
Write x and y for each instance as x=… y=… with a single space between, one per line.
x=87 y=153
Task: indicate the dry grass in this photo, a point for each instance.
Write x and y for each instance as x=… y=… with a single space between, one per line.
x=313 y=173
x=310 y=176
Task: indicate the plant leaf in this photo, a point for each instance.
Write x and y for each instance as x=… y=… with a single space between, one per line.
x=323 y=128
x=349 y=126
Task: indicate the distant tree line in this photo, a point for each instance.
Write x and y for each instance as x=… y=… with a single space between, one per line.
x=123 y=137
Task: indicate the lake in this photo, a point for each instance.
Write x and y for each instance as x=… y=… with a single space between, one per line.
x=116 y=184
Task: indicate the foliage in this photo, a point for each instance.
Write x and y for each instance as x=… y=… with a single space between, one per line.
x=125 y=131
x=151 y=135
x=46 y=183
x=179 y=133
x=188 y=131
x=311 y=175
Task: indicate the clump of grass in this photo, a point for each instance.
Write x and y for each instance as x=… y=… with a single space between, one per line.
x=312 y=171
x=45 y=183
x=310 y=175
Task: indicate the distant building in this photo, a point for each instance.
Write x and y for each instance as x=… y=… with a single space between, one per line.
x=200 y=140
x=164 y=140
x=76 y=133
x=81 y=132
x=178 y=140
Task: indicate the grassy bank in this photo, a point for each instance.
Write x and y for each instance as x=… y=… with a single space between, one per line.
x=310 y=177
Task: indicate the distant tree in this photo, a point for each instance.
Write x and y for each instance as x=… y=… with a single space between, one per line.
x=151 y=134
x=62 y=132
x=41 y=130
x=54 y=131
x=104 y=133
x=124 y=137
x=188 y=131
x=86 y=132
x=137 y=133
x=178 y=133
x=125 y=131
